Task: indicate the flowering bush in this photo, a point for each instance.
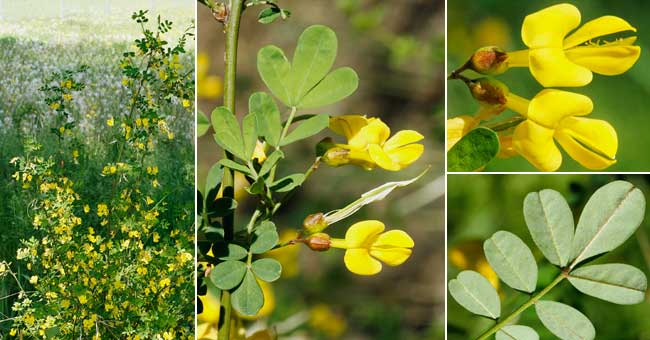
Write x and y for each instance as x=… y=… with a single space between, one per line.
x=112 y=248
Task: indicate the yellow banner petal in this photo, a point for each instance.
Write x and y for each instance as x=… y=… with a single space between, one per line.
x=348 y=125
x=394 y=238
x=535 y=143
x=363 y=234
x=549 y=26
x=550 y=106
x=598 y=27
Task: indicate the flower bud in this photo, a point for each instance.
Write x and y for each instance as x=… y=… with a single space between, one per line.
x=318 y=242
x=488 y=91
x=490 y=60
x=314 y=223
x=336 y=156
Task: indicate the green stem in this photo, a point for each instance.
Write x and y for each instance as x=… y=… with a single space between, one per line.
x=224 y=332
x=235 y=8
x=288 y=123
x=535 y=298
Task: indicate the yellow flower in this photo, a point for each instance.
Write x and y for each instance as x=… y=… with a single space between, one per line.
x=322 y=317
x=369 y=144
x=366 y=243
x=556 y=59
x=102 y=210
x=458 y=127
x=83 y=300
x=208 y=86
x=186 y=103
x=55 y=106
x=110 y=121
x=67 y=97
x=33 y=280
x=554 y=114
x=75 y=153
x=259 y=152
x=13 y=332
x=86 y=208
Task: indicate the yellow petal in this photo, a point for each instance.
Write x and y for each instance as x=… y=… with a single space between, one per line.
x=598 y=27
x=549 y=26
x=608 y=60
x=550 y=106
x=551 y=68
x=206 y=331
x=348 y=125
x=363 y=234
x=535 y=143
x=457 y=128
x=406 y=155
x=376 y=132
x=591 y=142
x=506 y=150
x=359 y=262
x=391 y=256
x=211 y=308
x=402 y=138
x=394 y=238
x=382 y=159
x=209 y=87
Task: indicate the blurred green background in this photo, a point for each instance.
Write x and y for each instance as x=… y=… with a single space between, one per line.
x=480 y=205
x=397 y=48
x=620 y=100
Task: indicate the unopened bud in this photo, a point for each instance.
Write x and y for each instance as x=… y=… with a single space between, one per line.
x=490 y=60
x=488 y=91
x=336 y=156
x=318 y=242
x=314 y=223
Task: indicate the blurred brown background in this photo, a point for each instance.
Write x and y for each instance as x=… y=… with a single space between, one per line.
x=397 y=48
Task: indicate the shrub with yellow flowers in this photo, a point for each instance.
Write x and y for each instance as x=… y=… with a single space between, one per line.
x=111 y=254
x=559 y=53
x=238 y=261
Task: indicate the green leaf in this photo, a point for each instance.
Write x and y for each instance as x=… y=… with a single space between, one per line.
x=258 y=187
x=374 y=195
x=475 y=293
x=202 y=123
x=566 y=322
x=266 y=237
x=228 y=163
x=512 y=260
x=227 y=275
x=224 y=206
x=267 y=269
x=268 y=15
x=336 y=86
x=274 y=68
x=270 y=162
x=550 y=222
x=617 y=283
x=517 y=332
x=288 y=183
x=610 y=217
x=213 y=180
x=312 y=60
x=229 y=251
x=307 y=129
x=473 y=151
x=249 y=133
x=227 y=133
x=267 y=114
x=248 y=298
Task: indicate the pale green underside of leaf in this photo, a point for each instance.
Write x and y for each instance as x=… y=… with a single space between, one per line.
x=517 y=332
x=475 y=293
x=550 y=222
x=617 y=283
x=610 y=217
x=566 y=322
x=512 y=260
x=473 y=151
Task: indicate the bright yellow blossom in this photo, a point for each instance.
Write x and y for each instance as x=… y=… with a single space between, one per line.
x=554 y=114
x=366 y=244
x=369 y=144
x=556 y=59
x=110 y=121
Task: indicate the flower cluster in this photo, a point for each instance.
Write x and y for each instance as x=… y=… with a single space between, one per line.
x=555 y=58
